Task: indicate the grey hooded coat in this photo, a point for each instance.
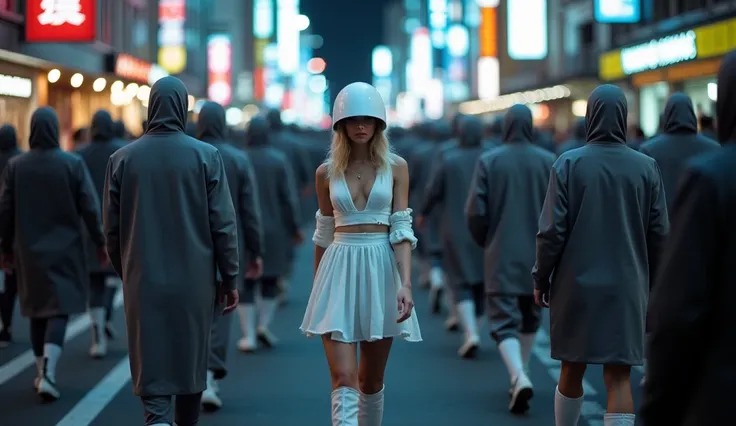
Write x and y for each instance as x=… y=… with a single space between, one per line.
x=170 y=225
x=504 y=203
x=678 y=142
x=278 y=198
x=447 y=188
x=601 y=231
x=46 y=192
x=95 y=154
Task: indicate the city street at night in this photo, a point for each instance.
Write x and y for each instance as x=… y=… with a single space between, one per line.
x=427 y=384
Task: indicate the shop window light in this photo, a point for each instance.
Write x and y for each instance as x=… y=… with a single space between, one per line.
x=77 y=80
x=54 y=76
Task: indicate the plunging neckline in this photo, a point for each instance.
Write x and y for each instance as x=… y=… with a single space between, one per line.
x=370 y=194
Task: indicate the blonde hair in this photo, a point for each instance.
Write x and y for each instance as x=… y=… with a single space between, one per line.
x=381 y=155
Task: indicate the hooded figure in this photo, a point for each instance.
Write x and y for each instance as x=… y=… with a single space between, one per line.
x=502 y=211
x=8 y=150
x=119 y=130
x=601 y=231
x=577 y=139
x=462 y=259
x=95 y=154
x=212 y=128
x=690 y=383
x=280 y=210
x=45 y=195
x=170 y=226
x=678 y=143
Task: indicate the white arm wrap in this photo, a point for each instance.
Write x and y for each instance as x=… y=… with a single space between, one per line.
x=400 y=228
x=325 y=231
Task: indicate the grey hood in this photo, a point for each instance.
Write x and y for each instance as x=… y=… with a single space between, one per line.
x=605 y=117
x=679 y=116
x=518 y=125
x=44 y=129
x=168 y=107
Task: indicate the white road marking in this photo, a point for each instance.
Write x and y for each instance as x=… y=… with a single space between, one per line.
x=25 y=360
x=592 y=412
x=89 y=407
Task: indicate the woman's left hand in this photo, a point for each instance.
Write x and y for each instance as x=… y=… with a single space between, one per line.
x=405 y=303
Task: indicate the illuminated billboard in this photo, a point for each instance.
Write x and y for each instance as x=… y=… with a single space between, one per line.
x=526 y=27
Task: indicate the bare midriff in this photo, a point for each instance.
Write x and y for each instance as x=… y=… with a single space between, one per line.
x=362 y=229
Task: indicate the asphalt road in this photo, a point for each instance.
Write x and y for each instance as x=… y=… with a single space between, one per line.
x=426 y=383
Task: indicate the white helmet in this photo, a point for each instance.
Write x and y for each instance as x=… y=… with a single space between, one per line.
x=358 y=100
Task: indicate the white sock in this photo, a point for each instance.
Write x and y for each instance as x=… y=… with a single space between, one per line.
x=97 y=315
x=510 y=349
x=268 y=308
x=436 y=277
x=466 y=312
x=51 y=353
x=247 y=315
x=619 y=419
x=210 y=379
x=527 y=344
x=567 y=410
x=39 y=366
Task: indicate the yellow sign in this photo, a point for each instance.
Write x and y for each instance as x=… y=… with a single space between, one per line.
x=172 y=58
x=710 y=40
x=259 y=51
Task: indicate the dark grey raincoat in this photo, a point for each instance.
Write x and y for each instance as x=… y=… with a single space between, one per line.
x=170 y=225
x=678 y=143
x=278 y=198
x=601 y=231
x=8 y=145
x=504 y=203
x=447 y=189
x=96 y=153
x=45 y=193
x=212 y=128
x=691 y=366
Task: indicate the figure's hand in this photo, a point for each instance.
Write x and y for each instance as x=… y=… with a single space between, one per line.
x=102 y=257
x=405 y=303
x=298 y=238
x=255 y=269
x=230 y=299
x=541 y=299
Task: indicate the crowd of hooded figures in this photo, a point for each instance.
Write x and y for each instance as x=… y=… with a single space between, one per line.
x=626 y=245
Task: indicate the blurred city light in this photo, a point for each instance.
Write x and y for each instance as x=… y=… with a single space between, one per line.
x=132 y=90
x=579 y=107
x=382 y=61
x=458 y=40
x=99 y=84
x=54 y=76
x=77 y=80
x=316 y=41
x=118 y=86
x=487 y=3
x=233 y=116
x=318 y=83
x=713 y=91
x=316 y=65
x=143 y=93
x=301 y=22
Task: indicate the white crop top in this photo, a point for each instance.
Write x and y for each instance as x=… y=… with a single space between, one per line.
x=377 y=208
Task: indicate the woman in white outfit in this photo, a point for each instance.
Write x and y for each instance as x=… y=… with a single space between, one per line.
x=362 y=259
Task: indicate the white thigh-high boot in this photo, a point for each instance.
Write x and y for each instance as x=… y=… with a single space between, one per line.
x=567 y=410
x=345 y=406
x=47 y=385
x=521 y=387
x=619 y=419
x=99 y=338
x=466 y=312
x=210 y=399
x=370 y=412
x=247 y=314
x=527 y=346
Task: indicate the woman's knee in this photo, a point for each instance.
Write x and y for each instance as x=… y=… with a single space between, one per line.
x=370 y=382
x=344 y=375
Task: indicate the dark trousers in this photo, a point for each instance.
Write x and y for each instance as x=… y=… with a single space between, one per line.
x=163 y=409
x=48 y=330
x=7 y=300
x=269 y=289
x=512 y=315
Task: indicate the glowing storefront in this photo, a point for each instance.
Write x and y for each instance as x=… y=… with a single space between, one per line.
x=685 y=61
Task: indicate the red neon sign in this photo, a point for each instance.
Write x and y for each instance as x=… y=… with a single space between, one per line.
x=127 y=66
x=219 y=69
x=61 y=21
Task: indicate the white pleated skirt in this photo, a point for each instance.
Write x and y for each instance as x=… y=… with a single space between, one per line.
x=354 y=293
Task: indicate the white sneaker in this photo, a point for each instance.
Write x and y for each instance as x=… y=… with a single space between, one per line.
x=98 y=350
x=247 y=344
x=210 y=400
x=266 y=338
x=47 y=390
x=523 y=391
x=469 y=349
